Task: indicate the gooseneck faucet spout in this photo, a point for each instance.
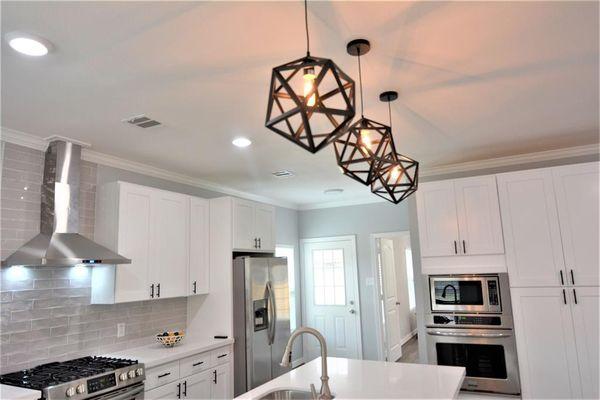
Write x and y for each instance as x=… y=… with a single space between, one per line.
x=325 y=392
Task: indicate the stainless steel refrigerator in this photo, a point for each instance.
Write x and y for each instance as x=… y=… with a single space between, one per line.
x=261 y=320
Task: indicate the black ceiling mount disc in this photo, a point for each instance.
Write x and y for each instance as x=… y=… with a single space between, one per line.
x=358 y=47
x=388 y=96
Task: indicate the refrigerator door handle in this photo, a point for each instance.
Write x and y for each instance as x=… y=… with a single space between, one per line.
x=272 y=313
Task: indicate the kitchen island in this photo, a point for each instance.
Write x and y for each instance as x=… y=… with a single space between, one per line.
x=359 y=379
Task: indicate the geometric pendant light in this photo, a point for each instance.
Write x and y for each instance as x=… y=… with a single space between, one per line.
x=396 y=176
x=311 y=100
x=366 y=142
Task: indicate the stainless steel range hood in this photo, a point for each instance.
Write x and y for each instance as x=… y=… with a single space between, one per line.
x=59 y=242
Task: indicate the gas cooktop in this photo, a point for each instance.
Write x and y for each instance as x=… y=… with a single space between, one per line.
x=78 y=378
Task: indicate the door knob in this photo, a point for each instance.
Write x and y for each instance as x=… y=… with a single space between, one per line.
x=352 y=312
x=351 y=302
x=397 y=303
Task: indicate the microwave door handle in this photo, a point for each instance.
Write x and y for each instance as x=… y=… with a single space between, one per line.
x=470 y=335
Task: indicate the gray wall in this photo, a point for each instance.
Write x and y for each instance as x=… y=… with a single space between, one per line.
x=362 y=221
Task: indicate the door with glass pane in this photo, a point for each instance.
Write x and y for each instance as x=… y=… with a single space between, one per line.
x=330 y=300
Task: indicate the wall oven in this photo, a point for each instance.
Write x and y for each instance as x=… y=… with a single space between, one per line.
x=474 y=329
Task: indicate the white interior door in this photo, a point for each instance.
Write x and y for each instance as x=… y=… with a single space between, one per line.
x=330 y=300
x=391 y=300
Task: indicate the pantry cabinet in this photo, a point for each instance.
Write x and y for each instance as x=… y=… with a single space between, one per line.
x=165 y=234
x=557 y=347
x=459 y=217
x=550 y=221
x=253 y=226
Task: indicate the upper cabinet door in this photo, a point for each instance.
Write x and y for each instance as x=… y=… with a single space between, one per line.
x=264 y=226
x=478 y=215
x=545 y=343
x=134 y=233
x=436 y=212
x=171 y=244
x=199 y=282
x=243 y=225
x=577 y=199
x=531 y=233
x=586 y=323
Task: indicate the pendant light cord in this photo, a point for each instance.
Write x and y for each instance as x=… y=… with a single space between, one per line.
x=390 y=113
x=362 y=107
x=306 y=26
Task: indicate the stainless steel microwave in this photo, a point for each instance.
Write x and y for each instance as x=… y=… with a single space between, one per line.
x=465 y=293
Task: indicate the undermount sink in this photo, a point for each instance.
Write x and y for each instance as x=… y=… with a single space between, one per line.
x=286 y=394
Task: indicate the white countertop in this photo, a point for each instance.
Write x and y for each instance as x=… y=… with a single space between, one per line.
x=358 y=379
x=157 y=354
x=16 y=393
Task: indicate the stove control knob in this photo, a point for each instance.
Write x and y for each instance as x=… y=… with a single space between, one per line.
x=131 y=374
x=81 y=389
x=139 y=372
x=71 y=392
x=123 y=377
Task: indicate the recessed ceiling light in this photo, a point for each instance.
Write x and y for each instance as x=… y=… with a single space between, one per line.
x=333 y=192
x=241 y=142
x=28 y=44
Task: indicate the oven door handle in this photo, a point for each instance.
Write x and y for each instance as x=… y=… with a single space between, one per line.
x=133 y=392
x=470 y=335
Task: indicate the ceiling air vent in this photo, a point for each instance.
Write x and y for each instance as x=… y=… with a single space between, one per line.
x=284 y=173
x=142 y=121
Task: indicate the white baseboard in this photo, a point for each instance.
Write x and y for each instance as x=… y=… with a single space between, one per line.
x=408 y=337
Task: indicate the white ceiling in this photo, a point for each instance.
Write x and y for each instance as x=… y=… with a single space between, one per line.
x=476 y=80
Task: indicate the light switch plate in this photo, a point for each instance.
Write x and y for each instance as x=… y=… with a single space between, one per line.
x=121 y=330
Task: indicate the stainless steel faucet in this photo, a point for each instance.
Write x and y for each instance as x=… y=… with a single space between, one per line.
x=325 y=392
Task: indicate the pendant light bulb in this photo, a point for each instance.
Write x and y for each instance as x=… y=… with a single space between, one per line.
x=395 y=173
x=309 y=86
x=365 y=140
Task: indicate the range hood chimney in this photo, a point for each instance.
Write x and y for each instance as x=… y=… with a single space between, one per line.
x=59 y=242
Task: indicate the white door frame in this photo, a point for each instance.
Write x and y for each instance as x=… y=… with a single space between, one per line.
x=354 y=274
x=381 y=350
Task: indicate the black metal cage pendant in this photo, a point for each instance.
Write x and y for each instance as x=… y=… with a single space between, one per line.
x=396 y=177
x=362 y=147
x=311 y=102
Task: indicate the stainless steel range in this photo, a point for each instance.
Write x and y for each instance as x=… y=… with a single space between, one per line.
x=470 y=325
x=83 y=378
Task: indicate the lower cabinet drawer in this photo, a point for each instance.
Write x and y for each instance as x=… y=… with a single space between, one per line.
x=193 y=364
x=162 y=375
x=220 y=356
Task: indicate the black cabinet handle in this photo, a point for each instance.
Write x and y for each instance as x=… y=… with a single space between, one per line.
x=158 y=290
x=198 y=363
x=255 y=243
x=562 y=280
x=215 y=376
x=575 y=296
x=152 y=290
x=222 y=355
x=572 y=277
x=259 y=244
x=163 y=375
x=184 y=388
x=455 y=248
x=179 y=390
x=564 y=297
x=194 y=289
x=464 y=248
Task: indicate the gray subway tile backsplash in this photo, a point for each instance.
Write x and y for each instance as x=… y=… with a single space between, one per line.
x=45 y=312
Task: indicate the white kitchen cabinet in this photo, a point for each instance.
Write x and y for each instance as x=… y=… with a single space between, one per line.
x=577 y=199
x=166 y=392
x=586 y=321
x=170 y=243
x=253 y=226
x=546 y=346
x=199 y=386
x=438 y=222
x=479 y=226
x=531 y=231
x=165 y=234
x=222 y=382
x=199 y=275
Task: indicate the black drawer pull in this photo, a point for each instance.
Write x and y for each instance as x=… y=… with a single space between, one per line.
x=198 y=363
x=163 y=375
x=222 y=355
x=562 y=281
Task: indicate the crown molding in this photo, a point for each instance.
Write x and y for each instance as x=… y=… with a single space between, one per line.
x=517 y=159
x=35 y=142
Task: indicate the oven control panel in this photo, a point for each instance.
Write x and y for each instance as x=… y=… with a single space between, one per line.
x=493 y=297
x=469 y=320
x=102 y=382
